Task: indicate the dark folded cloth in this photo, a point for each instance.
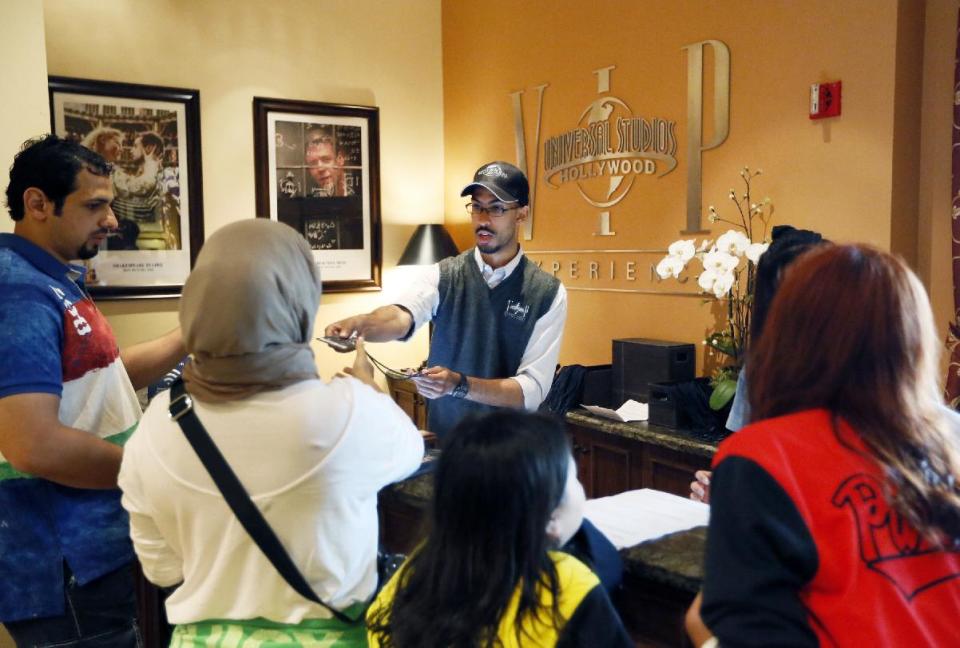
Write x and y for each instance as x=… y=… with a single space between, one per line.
x=595 y=550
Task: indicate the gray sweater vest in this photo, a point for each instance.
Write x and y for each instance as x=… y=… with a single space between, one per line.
x=483 y=332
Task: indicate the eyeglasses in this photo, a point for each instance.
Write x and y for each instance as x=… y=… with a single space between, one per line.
x=497 y=209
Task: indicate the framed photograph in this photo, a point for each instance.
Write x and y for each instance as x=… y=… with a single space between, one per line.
x=151 y=135
x=318 y=171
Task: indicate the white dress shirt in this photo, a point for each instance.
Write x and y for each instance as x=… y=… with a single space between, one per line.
x=539 y=361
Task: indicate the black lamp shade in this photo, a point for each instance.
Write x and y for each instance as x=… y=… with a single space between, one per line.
x=429 y=244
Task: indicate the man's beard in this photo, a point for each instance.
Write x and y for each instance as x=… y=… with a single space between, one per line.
x=87 y=252
x=490 y=248
x=493 y=246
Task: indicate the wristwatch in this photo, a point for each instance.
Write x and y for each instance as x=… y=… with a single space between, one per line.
x=462 y=388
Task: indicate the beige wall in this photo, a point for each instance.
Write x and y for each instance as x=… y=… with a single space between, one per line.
x=841 y=176
x=905 y=177
x=935 y=205
x=24 y=111
x=340 y=51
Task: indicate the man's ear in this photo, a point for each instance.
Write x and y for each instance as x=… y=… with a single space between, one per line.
x=36 y=204
x=522 y=213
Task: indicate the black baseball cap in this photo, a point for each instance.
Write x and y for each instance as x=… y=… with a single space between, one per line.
x=503 y=180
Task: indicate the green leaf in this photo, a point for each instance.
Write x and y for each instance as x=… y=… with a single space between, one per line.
x=722 y=394
x=720 y=374
x=722 y=343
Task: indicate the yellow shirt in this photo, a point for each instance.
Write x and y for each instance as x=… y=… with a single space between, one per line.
x=575 y=579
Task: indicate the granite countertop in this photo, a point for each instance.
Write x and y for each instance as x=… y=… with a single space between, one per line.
x=417 y=491
x=675 y=560
x=680 y=440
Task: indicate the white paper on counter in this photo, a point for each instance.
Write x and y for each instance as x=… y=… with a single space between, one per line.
x=629 y=411
x=630 y=518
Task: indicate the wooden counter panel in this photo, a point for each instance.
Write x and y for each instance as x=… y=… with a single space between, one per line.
x=609 y=463
x=671 y=471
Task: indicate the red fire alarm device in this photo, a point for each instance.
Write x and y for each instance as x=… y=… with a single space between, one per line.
x=825 y=100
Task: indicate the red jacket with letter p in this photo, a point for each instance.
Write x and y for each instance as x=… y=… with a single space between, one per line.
x=854 y=568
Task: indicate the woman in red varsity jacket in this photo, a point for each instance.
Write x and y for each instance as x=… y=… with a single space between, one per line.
x=835 y=517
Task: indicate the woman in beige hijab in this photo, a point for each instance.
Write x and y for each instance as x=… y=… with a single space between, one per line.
x=312 y=456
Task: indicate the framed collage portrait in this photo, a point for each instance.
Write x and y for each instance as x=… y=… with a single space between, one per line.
x=318 y=170
x=151 y=135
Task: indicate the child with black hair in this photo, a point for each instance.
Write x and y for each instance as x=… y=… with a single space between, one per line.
x=505 y=494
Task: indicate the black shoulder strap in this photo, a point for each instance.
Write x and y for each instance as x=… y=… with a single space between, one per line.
x=181 y=411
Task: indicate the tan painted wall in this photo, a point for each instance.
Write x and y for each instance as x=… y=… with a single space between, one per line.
x=835 y=176
x=340 y=51
x=935 y=209
x=24 y=111
x=905 y=177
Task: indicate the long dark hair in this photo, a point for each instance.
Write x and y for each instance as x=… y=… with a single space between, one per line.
x=786 y=244
x=851 y=330
x=496 y=485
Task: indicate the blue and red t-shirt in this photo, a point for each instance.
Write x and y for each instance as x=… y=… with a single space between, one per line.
x=54 y=340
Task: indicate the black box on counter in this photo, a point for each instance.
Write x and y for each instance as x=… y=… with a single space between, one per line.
x=637 y=362
x=665 y=405
x=685 y=405
x=597 y=386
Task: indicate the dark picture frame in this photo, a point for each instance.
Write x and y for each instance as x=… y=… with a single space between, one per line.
x=152 y=136
x=317 y=168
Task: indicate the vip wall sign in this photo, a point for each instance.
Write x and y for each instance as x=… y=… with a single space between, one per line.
x=609 y=148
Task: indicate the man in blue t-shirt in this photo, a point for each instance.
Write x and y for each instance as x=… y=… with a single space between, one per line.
x=67 y=404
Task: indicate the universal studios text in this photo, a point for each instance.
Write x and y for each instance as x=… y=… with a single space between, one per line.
x=589 y=152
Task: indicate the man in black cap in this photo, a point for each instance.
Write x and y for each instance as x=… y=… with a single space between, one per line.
x=498 y=319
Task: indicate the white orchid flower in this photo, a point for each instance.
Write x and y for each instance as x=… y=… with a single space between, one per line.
x=733 y=242
x=719 y=261
x=670 y=266
x=718 y=283
x=706 y=280
x=704 y=245
x=755 y=251
x=685 y=249
x=723 y=284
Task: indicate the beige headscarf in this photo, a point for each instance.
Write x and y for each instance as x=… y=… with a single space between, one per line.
x=247 y=311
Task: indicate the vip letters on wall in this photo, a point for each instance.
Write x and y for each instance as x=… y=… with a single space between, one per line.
x=611 y=150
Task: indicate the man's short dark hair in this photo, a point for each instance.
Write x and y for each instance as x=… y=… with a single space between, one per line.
x=322 y=135
x=50 y=164
x=152 y=140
